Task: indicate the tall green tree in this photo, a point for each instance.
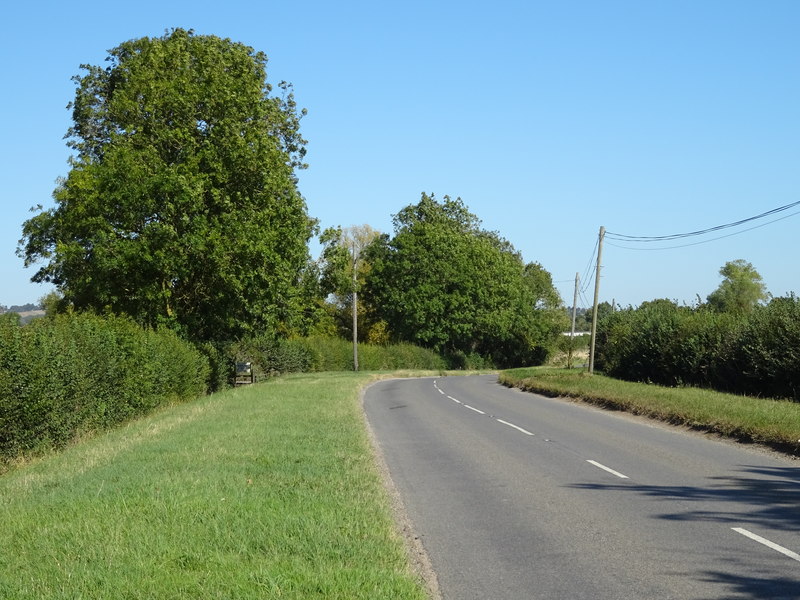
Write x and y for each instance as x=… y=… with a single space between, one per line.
x=181 y=204
x=741 y=290
x=445 y=283
x=343 y=268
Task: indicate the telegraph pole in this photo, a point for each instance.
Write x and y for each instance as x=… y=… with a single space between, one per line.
x=574 y=314
x=596 y=297
x=355 y=310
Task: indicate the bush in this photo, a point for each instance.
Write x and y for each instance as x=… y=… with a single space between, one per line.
x=63 y=376
x=270 y=356
x=220 y=363
x=763 y=357
x=756 y=353
x=462 y=361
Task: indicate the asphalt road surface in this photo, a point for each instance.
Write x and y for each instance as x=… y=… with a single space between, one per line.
x=517 y=496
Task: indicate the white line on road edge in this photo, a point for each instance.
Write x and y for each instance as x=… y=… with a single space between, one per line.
x=767 y=543
x=525 y=431
x=473 y=408
x=605 y=468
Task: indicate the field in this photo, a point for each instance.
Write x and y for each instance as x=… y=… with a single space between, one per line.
x=265 y=491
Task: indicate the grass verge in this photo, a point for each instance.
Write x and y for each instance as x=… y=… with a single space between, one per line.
x=775 y=423
x=265 y=491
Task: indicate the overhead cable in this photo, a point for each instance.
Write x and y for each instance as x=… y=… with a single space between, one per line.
x=676 y=236
x=710 y=240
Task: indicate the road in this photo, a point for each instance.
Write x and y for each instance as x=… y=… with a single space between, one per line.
x=517 y=496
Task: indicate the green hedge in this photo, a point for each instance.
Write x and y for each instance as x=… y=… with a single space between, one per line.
x=63 y=376
x=273 y=356
x=756 y=353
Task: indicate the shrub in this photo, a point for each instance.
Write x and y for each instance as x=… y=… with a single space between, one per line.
x=756 y=353
x=320 y=353
x=764 y=355
x=270 y=355
x=65 y=375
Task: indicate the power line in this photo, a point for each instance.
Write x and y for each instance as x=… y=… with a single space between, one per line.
x=707 y=241
x=662 y=238
x=585 y=280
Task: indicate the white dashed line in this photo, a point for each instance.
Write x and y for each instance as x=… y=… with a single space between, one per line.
x=525 y=431
x=455 y=399
x=605 y=468
x=767 y=543
x=473 y=408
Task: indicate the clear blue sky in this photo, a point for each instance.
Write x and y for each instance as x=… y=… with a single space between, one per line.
x=549 y=119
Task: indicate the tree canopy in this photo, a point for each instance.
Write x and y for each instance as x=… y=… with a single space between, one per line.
x=445 y=283
x=741 y=289
x=181 y=205
x=343 y=268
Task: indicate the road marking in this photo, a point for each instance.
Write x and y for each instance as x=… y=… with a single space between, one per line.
x=455 y=399
x=525 y=431
x=473 y=408
x=605 y=468
x=440 y=391
x=767 y=543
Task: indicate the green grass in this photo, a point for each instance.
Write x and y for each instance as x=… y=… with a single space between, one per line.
x=771 y=422
x=265 y=491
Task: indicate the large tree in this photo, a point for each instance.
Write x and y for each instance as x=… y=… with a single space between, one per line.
x=181 y=205
x=343 y=268
x=741 y=289
x=445 y=283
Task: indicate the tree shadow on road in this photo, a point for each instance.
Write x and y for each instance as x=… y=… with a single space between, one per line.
x=775 y=489
x=761 y=588
x=758 y=497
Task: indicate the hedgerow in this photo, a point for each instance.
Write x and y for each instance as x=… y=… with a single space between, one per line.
x=756 y=353
x=64 y=376
x=270 y=355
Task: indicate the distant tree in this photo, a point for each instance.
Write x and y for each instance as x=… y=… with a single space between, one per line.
x=603 y=310
x=344 y=266
x=20 y=308
x=181 y=205
x=51 y=303
x=443 y=282
x=311 y=315
x=741 y=290
x=540 y=282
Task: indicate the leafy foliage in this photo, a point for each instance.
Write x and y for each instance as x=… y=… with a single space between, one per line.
x=181 y=206
x=444 y=283
x=344 y=266
x=741 y=290
x=754 y=353
x=63 y=376
x=271 y=356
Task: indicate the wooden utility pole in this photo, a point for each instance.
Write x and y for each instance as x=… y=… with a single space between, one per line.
x=355 y=310
x=574 y=314
x=596 y=297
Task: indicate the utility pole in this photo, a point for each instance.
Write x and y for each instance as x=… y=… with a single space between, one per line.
x=596 y=297
x=574 y=314
x=355 y=310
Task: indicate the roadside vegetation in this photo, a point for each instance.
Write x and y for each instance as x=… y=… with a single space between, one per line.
x=774 y=423
x=68 y=376
x=178 y=246
x=264 y=491
x=754 y=351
